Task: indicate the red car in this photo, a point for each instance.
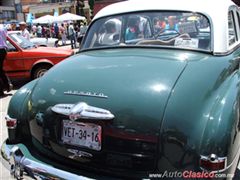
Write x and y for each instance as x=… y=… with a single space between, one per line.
x=26 y=60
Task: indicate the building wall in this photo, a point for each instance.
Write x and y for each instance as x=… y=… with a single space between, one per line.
x=7 y=2
x=7 y=11
x=42 y=9
x=99 y=4
x=27 y=2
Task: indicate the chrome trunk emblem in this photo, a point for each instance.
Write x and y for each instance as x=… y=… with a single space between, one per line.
x=81 y=93
x=82 y=111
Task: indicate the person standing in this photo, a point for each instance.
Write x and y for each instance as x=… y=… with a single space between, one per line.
x=43 y=31
x=34 y=30
x=172 y=24
x=83 y=29
x=132 y=31
x=39 y=30
x=72 y=35
x=25 y=32
x=56 y=30
x=4 y=81
x=63 y=34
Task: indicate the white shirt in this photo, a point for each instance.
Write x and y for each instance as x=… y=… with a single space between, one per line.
x=26 y=34
x=39 y=29
x=3 y=38
x=71 y=30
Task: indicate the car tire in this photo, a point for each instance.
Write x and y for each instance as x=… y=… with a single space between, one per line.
x=40 y=70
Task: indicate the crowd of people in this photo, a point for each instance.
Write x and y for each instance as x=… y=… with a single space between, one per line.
x=62 y=31
x=137 y=24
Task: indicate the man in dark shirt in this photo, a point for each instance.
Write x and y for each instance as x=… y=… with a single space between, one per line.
x=4 y=81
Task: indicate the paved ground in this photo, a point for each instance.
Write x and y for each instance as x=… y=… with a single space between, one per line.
x=4 y=174
x=69 y=47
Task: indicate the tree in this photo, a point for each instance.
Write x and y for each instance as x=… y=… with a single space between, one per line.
x=79 y=7
x=91 y=4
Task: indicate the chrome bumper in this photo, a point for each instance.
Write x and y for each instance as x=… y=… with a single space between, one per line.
x=22 y=165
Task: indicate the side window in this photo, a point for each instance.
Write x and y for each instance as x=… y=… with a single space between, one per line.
x=232 y=35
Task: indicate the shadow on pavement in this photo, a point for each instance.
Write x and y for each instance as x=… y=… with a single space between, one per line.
x=17 y=84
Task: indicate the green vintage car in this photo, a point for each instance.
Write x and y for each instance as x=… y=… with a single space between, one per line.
x=154 y=92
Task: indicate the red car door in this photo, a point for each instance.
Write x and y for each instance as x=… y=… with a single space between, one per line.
x=14 y=62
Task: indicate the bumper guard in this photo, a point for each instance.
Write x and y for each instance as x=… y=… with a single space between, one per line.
x=22 y=165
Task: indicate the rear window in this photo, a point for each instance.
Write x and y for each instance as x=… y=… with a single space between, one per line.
x=176 y=29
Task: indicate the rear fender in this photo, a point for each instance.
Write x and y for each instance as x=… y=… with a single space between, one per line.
x=18 y=109
x=221 y=133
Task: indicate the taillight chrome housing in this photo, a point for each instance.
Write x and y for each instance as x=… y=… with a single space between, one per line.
x=11 y=122
x=213 y=163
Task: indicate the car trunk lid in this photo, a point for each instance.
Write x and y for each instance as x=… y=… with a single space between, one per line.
x=134 y=87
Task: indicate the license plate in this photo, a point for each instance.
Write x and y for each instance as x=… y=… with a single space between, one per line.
x=82 y=134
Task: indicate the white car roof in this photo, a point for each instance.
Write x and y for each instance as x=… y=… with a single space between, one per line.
x=210 y=7
x=216 y=10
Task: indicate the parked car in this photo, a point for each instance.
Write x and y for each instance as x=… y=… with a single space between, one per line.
x=42 y=41
x=26 y=60
x=144 y=98
x=45 y=42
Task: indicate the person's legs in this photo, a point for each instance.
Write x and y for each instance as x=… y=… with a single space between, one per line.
x=63 y=42
x=1 y=87
x=2 y=57
x=75 y=39
x=64 y=39
x=6 y=84
x=72 y=41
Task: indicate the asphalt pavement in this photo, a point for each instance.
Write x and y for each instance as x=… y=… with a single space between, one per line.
x=68 y=45
x=4 y=174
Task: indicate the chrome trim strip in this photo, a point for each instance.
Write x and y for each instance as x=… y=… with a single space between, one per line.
x=81 y=93
x=25 y=166
x=82 y=111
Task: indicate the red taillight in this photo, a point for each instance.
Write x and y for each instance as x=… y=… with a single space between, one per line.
x=213 y=163
x=11 y=122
